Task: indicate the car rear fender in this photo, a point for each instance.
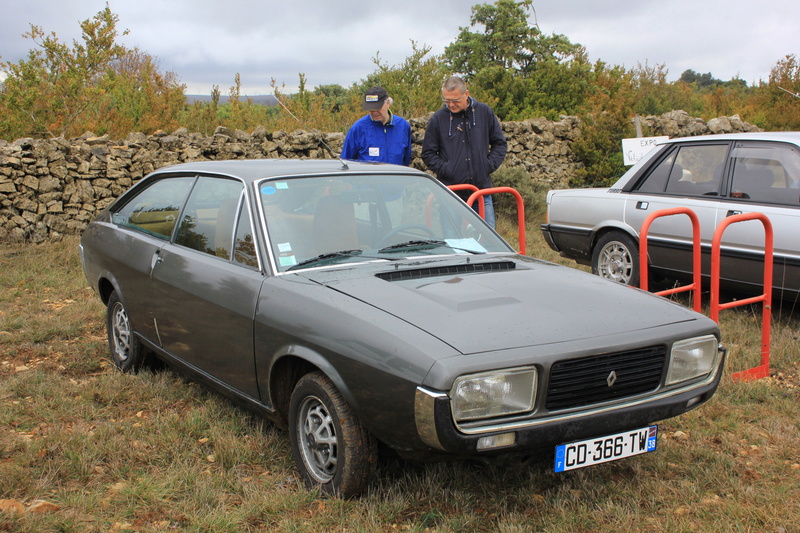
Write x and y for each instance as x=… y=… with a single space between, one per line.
x=106 y=284
x=610 y=225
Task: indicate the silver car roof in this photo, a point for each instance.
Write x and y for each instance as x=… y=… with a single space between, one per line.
x=782 y=136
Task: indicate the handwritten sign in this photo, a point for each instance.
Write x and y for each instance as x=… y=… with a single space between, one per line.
x=635 y=149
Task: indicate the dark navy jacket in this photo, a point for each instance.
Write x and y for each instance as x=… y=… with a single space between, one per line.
x=464 y=147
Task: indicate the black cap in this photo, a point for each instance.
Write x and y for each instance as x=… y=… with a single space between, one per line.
x=374 y=98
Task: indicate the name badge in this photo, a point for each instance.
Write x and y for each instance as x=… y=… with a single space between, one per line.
x=374 y=151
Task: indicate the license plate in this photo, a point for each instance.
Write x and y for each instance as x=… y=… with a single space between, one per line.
x=604 y=449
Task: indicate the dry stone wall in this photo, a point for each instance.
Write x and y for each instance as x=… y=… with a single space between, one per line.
x=49 y=188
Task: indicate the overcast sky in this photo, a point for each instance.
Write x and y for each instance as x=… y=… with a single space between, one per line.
x=333 y=41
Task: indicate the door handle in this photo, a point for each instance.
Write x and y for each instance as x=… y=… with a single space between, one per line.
x=155 y=260
x=732 y=212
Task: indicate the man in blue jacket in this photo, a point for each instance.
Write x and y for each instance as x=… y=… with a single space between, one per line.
x=464 y=142
x=380 y=135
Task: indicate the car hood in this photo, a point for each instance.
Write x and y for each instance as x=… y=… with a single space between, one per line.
x=515 y=303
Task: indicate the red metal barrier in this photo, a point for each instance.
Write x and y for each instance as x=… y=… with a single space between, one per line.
x=469 y=187
x=762 y=370
x=520 y=209
x=696 y=264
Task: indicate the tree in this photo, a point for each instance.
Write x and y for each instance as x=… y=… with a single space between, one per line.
x=778 y=99
x=414 y=85
x=136 y=96
x=512 y=65
x=700 y=80
x=61 y=90
x=507 y=41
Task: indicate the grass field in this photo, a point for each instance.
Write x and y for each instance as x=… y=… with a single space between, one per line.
x=85 y=448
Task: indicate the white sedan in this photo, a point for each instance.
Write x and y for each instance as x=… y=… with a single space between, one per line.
x=716 y=176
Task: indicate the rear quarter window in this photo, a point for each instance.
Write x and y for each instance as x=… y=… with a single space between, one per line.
x=155 y=209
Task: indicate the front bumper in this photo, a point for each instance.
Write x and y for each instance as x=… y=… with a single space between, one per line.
x=436 y=427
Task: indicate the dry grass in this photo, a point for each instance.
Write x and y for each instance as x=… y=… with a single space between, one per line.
x=153 y=452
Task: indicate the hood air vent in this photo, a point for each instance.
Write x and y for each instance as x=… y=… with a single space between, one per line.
x=465 y=268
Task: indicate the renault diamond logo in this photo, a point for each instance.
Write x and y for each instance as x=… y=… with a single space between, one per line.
x=611 y=379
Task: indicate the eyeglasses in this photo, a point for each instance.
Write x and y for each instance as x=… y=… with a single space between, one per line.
x=453 y=100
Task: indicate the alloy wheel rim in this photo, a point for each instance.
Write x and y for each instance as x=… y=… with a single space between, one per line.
x=317 y=438
x=616 y=263
x=121 y=331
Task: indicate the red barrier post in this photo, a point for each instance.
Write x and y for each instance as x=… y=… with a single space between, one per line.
x=520 y=209
x=696 y=263
x=762 y=370
x=469 y=187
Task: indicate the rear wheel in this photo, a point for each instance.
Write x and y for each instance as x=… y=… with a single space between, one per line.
x=331 y=447
x=616 y=257
x=127 y=351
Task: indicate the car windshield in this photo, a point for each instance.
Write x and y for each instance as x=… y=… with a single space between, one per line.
x=324 y=220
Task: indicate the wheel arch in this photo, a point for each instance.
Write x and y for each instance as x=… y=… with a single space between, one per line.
x=607 y=227
x=287 y=369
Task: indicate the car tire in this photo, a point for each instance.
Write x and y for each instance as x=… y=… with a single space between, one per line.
x=616 y=257
x=127 y=351
x=333 y=450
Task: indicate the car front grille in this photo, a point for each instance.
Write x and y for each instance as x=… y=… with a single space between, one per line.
x=606 y=377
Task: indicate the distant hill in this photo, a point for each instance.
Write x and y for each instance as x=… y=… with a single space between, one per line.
x=262 y=99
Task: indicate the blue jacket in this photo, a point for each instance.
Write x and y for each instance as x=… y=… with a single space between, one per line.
x=369 y=140
x=464 y=147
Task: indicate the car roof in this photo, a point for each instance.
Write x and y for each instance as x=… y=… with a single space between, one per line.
x=782 y=136
x=256 y=169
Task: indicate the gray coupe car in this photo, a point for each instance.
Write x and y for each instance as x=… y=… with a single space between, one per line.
x=715 y=176
x=358 y=304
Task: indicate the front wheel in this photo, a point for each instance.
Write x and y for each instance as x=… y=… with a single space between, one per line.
x=331 y=447
x=616 y=257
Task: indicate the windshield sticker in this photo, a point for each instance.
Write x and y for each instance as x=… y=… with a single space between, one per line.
x=286 y=257
x=463 y=246
x=267 y=189
x=281 y=185
x=287 y=260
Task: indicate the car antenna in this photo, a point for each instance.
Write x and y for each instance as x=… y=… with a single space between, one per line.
x=317 y=132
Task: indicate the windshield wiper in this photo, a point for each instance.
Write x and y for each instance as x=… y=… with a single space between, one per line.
x=324 y=257
x=424 y=243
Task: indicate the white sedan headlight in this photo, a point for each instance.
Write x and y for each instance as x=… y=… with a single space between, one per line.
x=692 y=358
x=493 y=394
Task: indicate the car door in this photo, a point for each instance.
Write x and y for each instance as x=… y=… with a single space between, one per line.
x=205 y=286
x=144 y=224
x=764 y=178
x=689 y=175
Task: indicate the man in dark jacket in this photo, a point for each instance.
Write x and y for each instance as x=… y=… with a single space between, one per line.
x=464 y=142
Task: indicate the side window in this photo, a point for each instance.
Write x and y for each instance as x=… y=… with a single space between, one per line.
x=656 y=181
x=155 y=210
x=208 y=221
x=766 y=173
x=244 y=247
x=689 y=171
x=698 y=170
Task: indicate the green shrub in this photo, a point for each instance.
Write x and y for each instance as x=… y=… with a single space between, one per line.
x=532 y=192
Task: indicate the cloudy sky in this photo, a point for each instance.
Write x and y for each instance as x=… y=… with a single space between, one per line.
x=334 y=41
